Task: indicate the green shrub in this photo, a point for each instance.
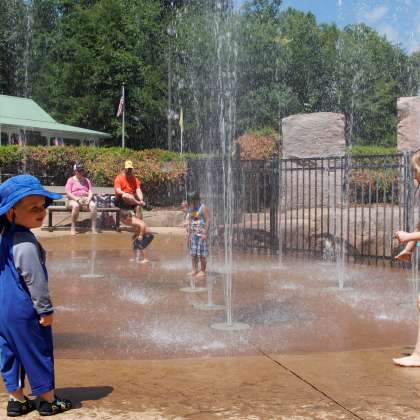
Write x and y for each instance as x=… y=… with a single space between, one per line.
x=372 y=150
x=259 y=145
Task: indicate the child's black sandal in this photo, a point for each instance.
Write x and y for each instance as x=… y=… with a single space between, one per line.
x=17 y=408
x=59 y=405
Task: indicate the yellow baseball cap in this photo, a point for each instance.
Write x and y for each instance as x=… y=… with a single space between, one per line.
x=128 y=164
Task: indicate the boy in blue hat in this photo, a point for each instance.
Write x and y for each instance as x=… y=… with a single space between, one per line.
x=26 y=311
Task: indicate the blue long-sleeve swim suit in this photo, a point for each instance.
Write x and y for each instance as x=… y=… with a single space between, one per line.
x=26 y=347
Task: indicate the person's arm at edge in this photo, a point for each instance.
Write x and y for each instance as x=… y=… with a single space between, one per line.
x=404 y=237
x=27 y=261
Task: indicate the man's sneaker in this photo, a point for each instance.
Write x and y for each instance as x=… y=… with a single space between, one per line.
x=17 y=408
x=143 y=243
x=59 y=405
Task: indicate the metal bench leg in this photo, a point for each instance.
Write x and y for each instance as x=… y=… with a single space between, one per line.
x=117 y=221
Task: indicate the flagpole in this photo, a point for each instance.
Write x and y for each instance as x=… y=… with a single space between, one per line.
x=181 y=126
x=123 y=116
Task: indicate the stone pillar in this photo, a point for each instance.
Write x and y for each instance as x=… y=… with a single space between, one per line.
x=408 y=129
x=319 y=134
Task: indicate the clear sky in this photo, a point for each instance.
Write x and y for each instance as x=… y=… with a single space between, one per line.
x=398 y=20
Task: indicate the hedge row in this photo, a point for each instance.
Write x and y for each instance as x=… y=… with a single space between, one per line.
x=162 y=173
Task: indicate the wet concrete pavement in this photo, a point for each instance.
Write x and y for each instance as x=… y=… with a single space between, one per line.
x=130 y=345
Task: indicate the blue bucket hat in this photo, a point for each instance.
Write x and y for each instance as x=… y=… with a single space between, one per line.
x=21 y=186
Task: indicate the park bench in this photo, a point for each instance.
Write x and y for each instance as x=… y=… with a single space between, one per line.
x=58 y=207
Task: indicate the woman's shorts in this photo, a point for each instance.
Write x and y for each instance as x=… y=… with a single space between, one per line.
x=198 y=247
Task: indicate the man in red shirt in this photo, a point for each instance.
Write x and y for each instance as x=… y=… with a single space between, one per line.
x=130 y=197
x=127 y=189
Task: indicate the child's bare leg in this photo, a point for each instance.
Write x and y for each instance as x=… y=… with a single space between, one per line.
x=139 y=228
x=405 y=254
x=414 y=359
x=194 y=261
x=144 y=255
x=142 y=228
x=136 y=234
x=203 y=264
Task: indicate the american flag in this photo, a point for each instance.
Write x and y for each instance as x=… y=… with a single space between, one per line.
x=120 y=107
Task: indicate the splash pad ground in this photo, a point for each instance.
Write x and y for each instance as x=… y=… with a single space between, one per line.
x=131 y=345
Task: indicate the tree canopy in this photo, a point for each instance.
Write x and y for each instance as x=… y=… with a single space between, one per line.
x=72 y=57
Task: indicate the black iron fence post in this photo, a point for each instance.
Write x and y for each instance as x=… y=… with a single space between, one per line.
x=274 y=205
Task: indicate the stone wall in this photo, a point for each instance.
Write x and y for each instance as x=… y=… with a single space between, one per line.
x=312 y=135
x=408 y=132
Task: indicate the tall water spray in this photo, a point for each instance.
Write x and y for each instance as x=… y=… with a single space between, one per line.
x=211 y=58
x=226 y=56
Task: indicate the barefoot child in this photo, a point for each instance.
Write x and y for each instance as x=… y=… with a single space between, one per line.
x=129 y=198
x=199 y=220
x=139 y=246
x=26 y=311
x=414 y=359
x=405 y=254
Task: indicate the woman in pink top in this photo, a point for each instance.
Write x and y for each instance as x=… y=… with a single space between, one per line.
x=79 y=193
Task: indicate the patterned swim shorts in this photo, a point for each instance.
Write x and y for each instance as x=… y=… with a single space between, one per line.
x=198 y=247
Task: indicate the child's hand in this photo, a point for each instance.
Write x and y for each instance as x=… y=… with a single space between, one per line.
x=46 y=320
x=203 y=237
x=401 y=236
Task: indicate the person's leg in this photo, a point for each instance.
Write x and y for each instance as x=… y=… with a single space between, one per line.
x=74 y=206
x=203 y=252
x=203 y=264
x=194 y=263
x=139 y=228
x=414 y=359
x=38 y=363
x=139 y=250
x=129 y=200
x=128 y=219
x=93 y=212
x=12 y=372
x=144 y=255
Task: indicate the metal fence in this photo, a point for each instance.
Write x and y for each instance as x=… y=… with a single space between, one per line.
x=318 y=206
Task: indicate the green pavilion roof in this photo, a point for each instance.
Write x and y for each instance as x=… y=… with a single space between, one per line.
x=23 y=113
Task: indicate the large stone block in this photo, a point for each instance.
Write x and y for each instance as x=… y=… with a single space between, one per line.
x=311 y=135
x=408 y=132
